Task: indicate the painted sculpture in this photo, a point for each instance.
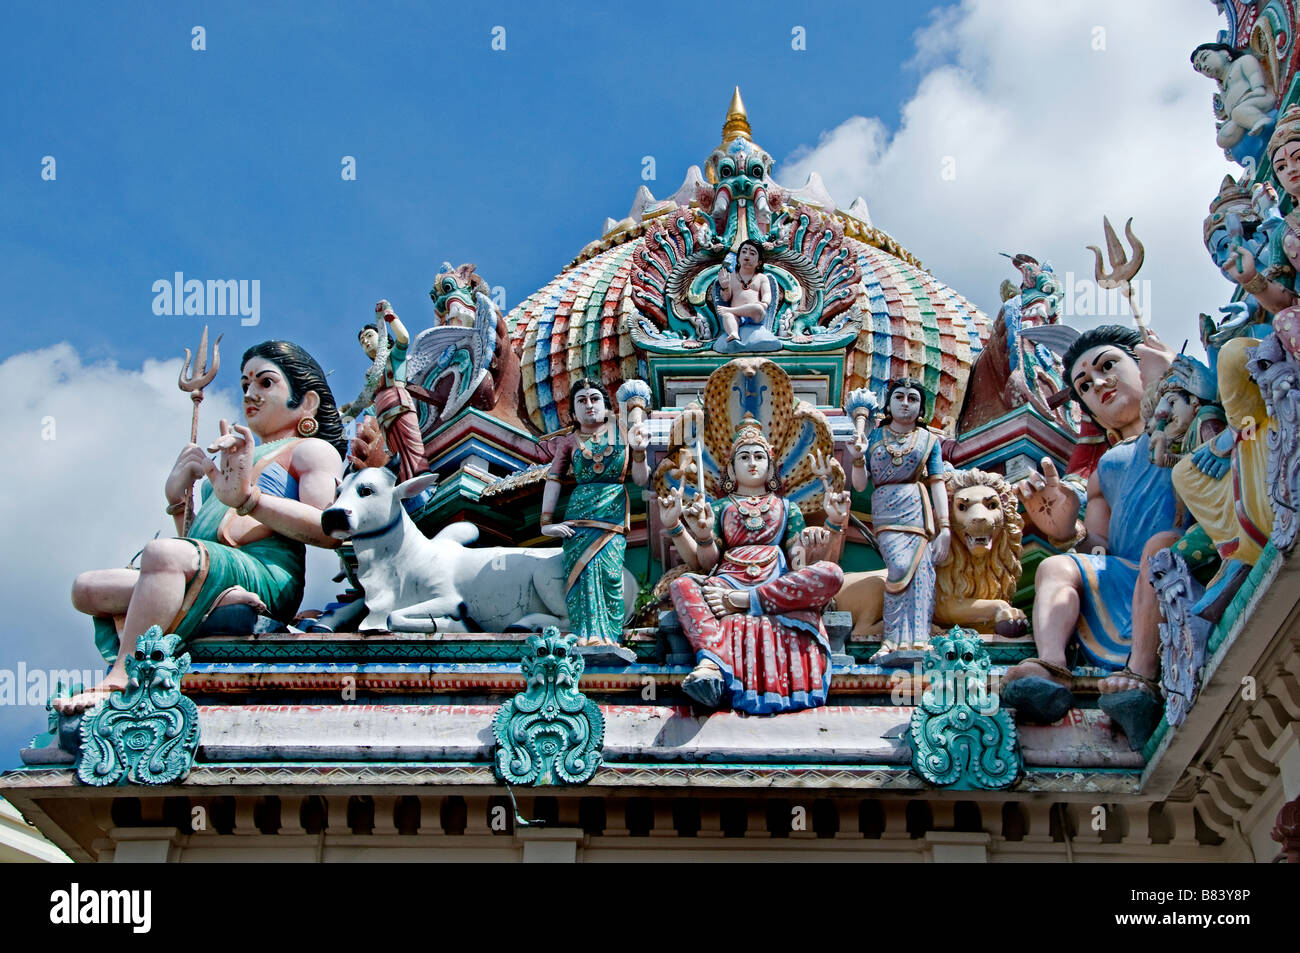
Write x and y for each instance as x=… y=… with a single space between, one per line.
x=752 y=598
x=1275 y=368
x=1100 y=593
x=1244 y=105
x=1185 y=414
x=261 y=505
x=909 y=510
x=416 y=584
x=1224 y=483
x=598 y=515
x=753 y=273
x=550 y=733
x=386 y=391
x=961 y=738
x=1270 y=280
x=465 y=359
x=149 y=732
x=744 y=294
x=1183 y=635
x=975 y=585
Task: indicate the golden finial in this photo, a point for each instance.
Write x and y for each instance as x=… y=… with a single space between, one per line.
x=737 y=123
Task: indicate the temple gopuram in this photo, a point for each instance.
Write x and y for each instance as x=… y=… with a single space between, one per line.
x=744 y=537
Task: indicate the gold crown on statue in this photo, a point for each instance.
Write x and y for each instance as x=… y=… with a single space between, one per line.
x=1288 y=129
x=1232 y=197
x=750 y=432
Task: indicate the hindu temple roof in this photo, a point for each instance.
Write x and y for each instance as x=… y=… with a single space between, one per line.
x=577 y=324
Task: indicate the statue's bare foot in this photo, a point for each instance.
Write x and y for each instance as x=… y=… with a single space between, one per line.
x=83 y=701
x=237 y=596
x=1039 y=691
x=1127 y=680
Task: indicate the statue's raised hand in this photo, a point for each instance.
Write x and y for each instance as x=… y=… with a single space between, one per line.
x=814 y=541
x=837 y=507
x=232 y=475
x=190 y=465
x=1051 y=507
x=638 y=436
x=699 y=520
x=670 y=508
x=821 y=467
x=1240 y=267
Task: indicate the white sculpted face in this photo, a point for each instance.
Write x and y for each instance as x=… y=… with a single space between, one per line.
x=905 y=406
x=589 y=408
x=750 y=465
x=369 y=342
x=1210 y=63
x=1109 y=383
x=1286 y=166
x=748 y=258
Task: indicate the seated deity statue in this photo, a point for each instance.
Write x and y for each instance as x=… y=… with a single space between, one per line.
x=745 y=292
x=751 y=602
x=1225 y=481
x=261 y=505
x=1100 y=594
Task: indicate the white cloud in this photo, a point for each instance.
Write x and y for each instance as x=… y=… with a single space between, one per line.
x=1046 y=134
x=89 y=498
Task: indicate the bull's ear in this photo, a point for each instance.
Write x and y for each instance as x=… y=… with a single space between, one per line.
x=415 y=486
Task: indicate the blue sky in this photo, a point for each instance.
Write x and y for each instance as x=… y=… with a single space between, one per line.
x=226 y=163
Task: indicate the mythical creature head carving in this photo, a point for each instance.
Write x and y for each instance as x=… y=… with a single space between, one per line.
x=454 y=293
x=987 y=525
x=551 y=659
x=154 y=661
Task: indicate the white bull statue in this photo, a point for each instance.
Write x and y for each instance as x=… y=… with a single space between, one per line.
x=416 y=584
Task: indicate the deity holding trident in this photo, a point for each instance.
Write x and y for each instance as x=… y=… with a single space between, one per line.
x=193 y=384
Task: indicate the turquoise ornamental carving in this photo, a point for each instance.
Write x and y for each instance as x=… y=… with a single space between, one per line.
x=148 y=733
x=961 y=737
x=550 y=733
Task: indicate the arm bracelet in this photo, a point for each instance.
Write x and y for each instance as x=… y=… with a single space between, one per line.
x=250 y=502
x=1255 y=285
x=175 y=509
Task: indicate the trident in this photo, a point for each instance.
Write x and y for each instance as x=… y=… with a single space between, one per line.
x=1122 y=271
x=193 y=383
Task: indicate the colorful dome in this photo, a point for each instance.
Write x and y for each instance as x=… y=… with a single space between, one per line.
x=893 y=318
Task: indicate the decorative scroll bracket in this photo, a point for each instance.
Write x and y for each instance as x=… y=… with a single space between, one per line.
x=550 y=733
x=148 y=733
x=961 y=737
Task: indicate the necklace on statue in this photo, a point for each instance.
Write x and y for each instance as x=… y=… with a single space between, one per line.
x=746 y=282
x=596 y=454
x=898 y=447
x=753 y=511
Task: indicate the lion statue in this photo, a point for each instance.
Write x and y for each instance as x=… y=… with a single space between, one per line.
x=977 y=583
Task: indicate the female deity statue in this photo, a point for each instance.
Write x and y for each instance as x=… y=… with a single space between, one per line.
x=260 y=505
x=909 y=510
x=751 y=604
x=386 y=389
x=598 y=515
x=745 y=291
x=1101 y=592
